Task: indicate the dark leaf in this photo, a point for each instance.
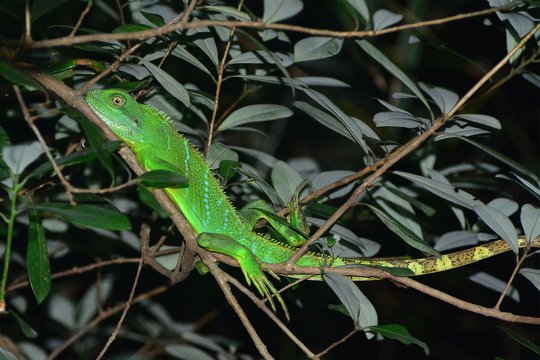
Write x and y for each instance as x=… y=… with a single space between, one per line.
x=163 y=179
x=91 y=216
x=37 y=258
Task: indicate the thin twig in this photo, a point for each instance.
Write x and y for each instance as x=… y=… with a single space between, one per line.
x=336 y=343
x=407 y=148
x=17 y=284
x=259 y=25
x=81 y=18
x=219 y=83
x=30 y=122
x=261 y=304
x=111 y=68
x=124 y=313
x=221 y=277
x=103 y=316
x=511 y=279
x=27 y=22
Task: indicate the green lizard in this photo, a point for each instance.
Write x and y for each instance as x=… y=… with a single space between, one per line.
x=220 y=228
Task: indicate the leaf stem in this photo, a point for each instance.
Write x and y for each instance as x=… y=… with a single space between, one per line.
x=7 y=253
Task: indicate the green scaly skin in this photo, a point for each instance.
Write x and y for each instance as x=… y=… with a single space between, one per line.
x=158 y=146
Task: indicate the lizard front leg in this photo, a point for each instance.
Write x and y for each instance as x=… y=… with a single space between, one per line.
x=251 y=267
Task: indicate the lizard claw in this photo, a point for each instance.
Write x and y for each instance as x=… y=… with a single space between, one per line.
x=265 y=288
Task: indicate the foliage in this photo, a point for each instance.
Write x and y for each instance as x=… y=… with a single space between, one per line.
x=380 y=120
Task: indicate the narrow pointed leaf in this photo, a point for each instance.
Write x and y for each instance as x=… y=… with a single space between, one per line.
x=27 y=330
x=17 y=76
x=285 y=180
x=499 y=223
x=403 y=232
x=530 y=221
x=98 y=143
x=91 y=216
x=499 y=156
x=443 y=190
x=399 y=332
x=316 y=47
x=390 y=66
x=361 y=8
x=277 y=10
x=520 y=339
x=255 y=113
x=170 y=84
x=533 y=275
x=492 y=283
x=163 y=179
x=357 y=304
x=37 y=258
x=384 y=18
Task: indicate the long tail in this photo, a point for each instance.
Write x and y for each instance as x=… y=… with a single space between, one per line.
x=449 y=261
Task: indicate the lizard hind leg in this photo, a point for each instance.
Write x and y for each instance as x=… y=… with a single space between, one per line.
x=293 y=233
x=251 y=267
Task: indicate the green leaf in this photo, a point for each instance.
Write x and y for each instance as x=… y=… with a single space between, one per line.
x=149 y=200
x=186 y=352
x=530 y=221
x=91 y=216
x=426 y=209
x=43 y=7
x=443 y=190
x=126 y=28
x=25 y=328
x=17 y=76
x=384 y=18
x=352 y=125
x=533 y=275
x=520 y=339
x=181 y=53
x=390 y=66
x=229 y=11
x=399 y=332
x=228 y=168
x=285 y=180
x=254 y=113
x=155 y=19
x=37 y=258
x=396 y=271
x=262 y=185
x=324 y=118
x=98 y=143
x=499 y=223
x=357 y=304
x=17 y=157
x=6 y=355
x=444 y=98
x=205 y=41
x=316 y=47
x=495 y=284
x=361 y=8
x=499 y=156
x=532 y=78
x=277 y=10
x=76 y=158
x=170 y=84
x=219 y=152
x=481 y=119
x=163 y=179
x=403 y=232
x=397 y=119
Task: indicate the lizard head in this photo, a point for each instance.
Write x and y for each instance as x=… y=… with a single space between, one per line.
x=119 y=111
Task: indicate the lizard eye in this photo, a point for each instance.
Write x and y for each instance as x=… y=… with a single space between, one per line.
x=118 y=100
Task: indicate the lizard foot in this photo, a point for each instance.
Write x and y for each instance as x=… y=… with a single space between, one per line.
x=254 y=273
